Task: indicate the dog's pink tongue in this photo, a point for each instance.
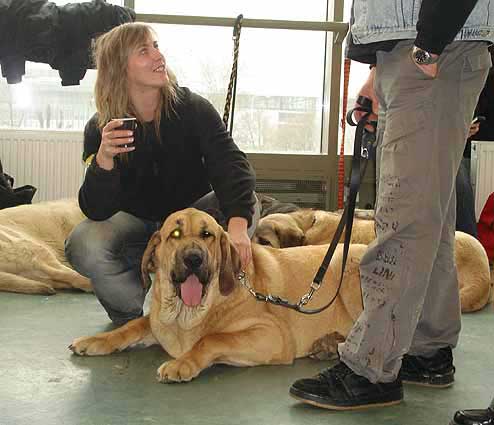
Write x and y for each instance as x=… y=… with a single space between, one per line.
x=191 y=291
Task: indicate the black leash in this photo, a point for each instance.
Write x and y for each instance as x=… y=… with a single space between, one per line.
x=346 y=222
x=232 y=86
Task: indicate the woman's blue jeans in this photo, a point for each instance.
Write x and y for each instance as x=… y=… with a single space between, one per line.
x=109 y=253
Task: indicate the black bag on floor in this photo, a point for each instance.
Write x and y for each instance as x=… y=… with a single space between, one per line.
x=10 y=197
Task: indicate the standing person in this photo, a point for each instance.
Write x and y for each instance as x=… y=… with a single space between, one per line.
x=465 y=198
x=466 y=220
x=179 y=152
x=431 y=62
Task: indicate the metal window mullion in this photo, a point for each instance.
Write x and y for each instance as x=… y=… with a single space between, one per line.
x=340 y=28
x=331 y=108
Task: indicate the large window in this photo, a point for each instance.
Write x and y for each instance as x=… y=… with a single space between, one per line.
x=280 y=85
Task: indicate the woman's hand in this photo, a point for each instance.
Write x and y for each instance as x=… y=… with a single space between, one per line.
x=237 y=229
x=112 y=144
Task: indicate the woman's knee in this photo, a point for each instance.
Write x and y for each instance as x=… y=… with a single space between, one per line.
x=89 y=243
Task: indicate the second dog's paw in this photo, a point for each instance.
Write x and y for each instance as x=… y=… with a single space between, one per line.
x=91 y=346
x=179 y=370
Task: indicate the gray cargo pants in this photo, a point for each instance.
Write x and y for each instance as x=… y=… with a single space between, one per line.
x=408 y=274
x=109 y=252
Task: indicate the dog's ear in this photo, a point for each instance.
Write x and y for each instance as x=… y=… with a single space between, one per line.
x=230 y=265
x=289 y=235
x=292 y=236
x=148 y=264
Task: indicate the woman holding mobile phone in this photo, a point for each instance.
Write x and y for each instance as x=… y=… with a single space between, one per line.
x=179 y=155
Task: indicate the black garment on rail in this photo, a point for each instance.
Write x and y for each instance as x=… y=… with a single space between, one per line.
x=61 y=36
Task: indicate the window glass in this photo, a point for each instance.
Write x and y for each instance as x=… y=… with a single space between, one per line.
x=40 y=101
x=279 y=86
x=314 y=10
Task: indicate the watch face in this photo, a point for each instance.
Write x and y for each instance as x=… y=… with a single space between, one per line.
x=421 y=57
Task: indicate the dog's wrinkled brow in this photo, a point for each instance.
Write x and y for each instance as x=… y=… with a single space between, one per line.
x=205 y=226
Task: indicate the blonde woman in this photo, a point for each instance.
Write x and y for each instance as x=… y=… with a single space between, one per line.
x=180 y=155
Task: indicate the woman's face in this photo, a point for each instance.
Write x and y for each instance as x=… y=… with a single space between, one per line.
x=146 y=66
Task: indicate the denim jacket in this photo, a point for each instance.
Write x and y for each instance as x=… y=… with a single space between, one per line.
x=380 y=20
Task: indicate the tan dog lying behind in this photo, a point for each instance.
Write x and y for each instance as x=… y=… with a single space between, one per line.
x=32 y=259
x=314 y=227
x=201 y=315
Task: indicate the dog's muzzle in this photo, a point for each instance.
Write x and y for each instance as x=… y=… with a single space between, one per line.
x=191 y=275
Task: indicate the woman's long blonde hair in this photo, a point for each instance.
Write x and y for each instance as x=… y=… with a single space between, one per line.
x=111 y=53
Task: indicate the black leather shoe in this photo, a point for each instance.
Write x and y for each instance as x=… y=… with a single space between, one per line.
x=474 y=417
x=339 y=388
x=436 y=371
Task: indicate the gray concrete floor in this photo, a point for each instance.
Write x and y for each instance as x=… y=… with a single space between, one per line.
x=42 y=383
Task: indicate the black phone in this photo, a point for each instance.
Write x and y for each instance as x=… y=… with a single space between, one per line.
x=478 y=118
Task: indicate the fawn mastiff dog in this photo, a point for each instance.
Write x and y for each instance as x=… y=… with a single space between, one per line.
x=32 y=259
x=201 y=315
x=314 y=227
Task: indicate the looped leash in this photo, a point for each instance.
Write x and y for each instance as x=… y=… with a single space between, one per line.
x=232 y=86
x=346 y=222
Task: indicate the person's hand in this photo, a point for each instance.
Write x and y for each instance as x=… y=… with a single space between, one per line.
x=368 y=91
x=112 y=144
x=237 y=229
x=474 y=128
x=429 y=70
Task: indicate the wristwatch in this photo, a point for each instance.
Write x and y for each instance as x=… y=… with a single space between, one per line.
x=423 y=57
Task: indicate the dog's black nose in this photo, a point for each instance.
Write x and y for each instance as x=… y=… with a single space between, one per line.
x=193 y=260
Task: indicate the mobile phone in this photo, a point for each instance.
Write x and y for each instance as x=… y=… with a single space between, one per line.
x=478 y=118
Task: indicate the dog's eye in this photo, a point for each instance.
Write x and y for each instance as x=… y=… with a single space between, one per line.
x=177 y=233
x=205 y=234
x=314 y=219
x=263 y=241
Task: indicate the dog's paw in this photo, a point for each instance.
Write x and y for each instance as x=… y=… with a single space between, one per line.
x=326 y=347
x=91 y=346
x=84 y=284
x=179 y=370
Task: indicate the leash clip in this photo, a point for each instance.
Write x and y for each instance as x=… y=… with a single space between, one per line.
x=314 y=286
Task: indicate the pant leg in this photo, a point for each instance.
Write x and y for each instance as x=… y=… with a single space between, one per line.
x=440 y=320
x=465 y=201
x=210 y=204
x=109 y=252
x=426 y=124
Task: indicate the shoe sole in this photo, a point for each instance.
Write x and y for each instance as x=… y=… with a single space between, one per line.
x=328 y=406
x=429 y=384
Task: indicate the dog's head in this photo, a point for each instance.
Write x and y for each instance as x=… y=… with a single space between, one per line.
x=279 y=231
x=194 y=262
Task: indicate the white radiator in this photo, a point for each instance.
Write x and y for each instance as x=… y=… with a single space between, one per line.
x=482 y=173
x=50 y=160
